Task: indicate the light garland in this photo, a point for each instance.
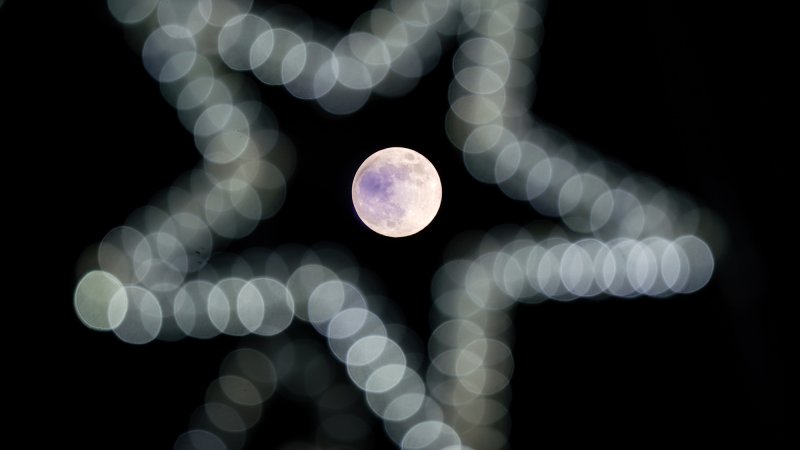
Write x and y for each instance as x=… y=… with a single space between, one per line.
x=154 y=279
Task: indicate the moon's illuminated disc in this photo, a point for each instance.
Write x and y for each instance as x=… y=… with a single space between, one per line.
x=397 y=192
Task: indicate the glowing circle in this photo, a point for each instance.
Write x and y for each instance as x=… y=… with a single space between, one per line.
x=396 y=192
x=93 y=297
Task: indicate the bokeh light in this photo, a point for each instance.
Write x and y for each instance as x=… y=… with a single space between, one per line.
x=162 y=274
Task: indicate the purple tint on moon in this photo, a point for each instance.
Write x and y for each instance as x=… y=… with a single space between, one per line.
x=374 y=185
x=378 y=183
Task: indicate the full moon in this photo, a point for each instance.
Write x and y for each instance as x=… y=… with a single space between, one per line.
x=396 y=192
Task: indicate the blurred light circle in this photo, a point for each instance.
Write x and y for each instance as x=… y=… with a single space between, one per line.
x=225 y=417
x=137 y=315
x=408 y=64
x=363 y=363
x=641 y=267
x=236 y=39
x=222 y=303
x=577 y=270
x=627 y=217
x=385 y=377
x=309 y=70
x=341 y=100
x=560 y=171
x=401 y=399
x=233 y=208
x=261 y=48
x=265 y=306
x=508 y=162
x=268 y=52
x=483 y=52
x=429 y=410
x=700 y=263
x=456 y=362
x=330 y=298
x=302 y=283
x=350 y=325
x=121 y=251
x=369 y=349
x=403 y=406
x=389 y=29
x=509 y=274
x=131 y=11
x=369 y=50
x=169 y=53
x=477 y=109
x=577 y=202
x=549 y=274
x=324 y=302
x=191 y=309
x=204 y=90
x=432 y=434
x=218 y=118
x=159 y=275
x=255 y=366
x=240 y=390
x=615 y=280
x=352 y=74
x=450 y=391
x=199 y=440
x=479 y=80
x=294 y=61
x=657 y=247
x=222 y=12
x=191 y=14
x=674 y=263
x=93 y=297
x=195 y=236
x=164 y=247
x=454 y=333
x=226 y=146
x=483 y=411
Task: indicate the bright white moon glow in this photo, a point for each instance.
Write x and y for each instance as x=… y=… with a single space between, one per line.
x=397 y=192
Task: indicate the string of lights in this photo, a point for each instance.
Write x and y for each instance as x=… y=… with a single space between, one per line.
x=156 y=276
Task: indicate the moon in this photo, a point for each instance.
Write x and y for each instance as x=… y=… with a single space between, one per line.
x=396 y=192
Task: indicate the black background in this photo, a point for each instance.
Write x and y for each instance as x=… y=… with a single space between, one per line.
x=688 y=92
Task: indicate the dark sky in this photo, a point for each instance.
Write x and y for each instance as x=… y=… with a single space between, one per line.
x=686 y=91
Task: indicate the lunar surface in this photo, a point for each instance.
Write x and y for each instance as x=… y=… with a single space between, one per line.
x=396 y=192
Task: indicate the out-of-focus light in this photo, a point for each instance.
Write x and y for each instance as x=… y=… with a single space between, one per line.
x=265 y=306
x=303 y=282
x=223 y=11
x=256 y=367
x=199 y=440
x=224 y=417
x=222 y=302
x=433 y=434
x=268 y=52
x=137 y=315
x=309 y=71
x=169 y=53
x=131 y=11
x=93 y=298
x=238 y=36
x=157 y=277
x=191 y=309
x=192 y=14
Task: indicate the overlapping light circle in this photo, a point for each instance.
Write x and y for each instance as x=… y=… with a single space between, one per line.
x=155 y=277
